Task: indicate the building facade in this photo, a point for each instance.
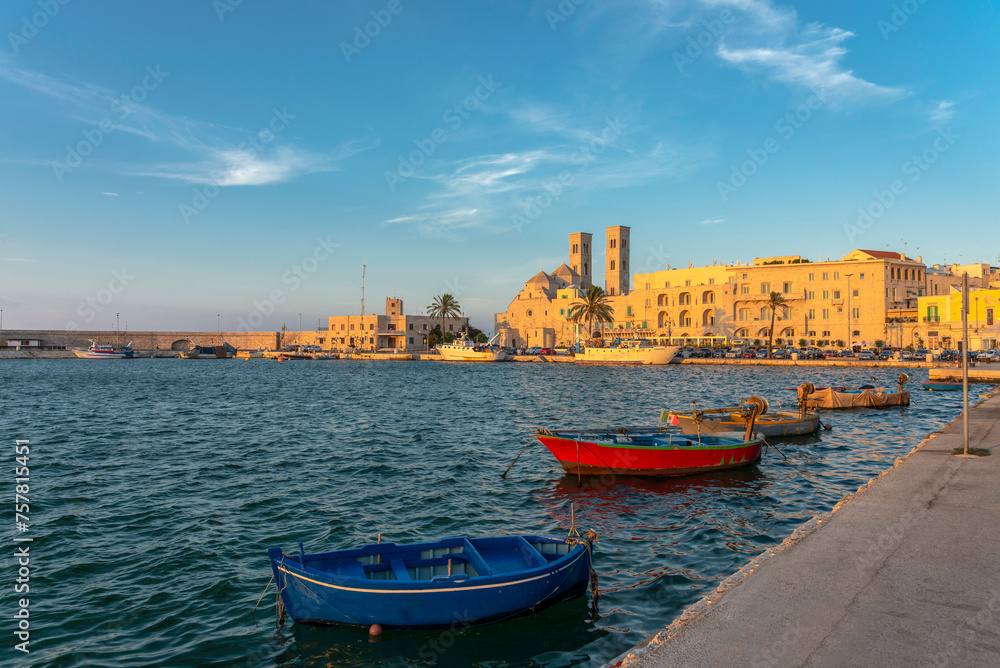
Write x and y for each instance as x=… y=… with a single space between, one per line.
x=940 y=319
x=861 y=299
x=392 y=331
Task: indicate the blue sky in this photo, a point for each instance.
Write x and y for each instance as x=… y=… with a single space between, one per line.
x=177 y=161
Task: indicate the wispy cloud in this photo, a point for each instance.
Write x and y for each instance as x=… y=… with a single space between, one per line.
x=219 y=153
x=110 y=194
x=942 y=112
x=712 y=222
x=16 y=259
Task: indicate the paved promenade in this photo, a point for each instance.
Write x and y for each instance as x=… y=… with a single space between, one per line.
x=906 y=572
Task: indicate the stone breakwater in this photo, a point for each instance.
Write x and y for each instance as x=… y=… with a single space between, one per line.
x=141 y=340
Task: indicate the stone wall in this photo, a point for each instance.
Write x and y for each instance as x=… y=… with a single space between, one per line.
x=142 y=341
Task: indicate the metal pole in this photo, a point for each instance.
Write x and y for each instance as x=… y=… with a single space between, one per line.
x=965 y=359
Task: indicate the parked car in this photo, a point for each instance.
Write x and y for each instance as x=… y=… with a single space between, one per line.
x=546 y=351
x=761 y=354
x=846 y=352
x=749 y=353
x=779 y=354
x=534 y=350
x=905 y=355
x=885 y=354
x=866 y=355
x=813 y=353
x=922 y=355
x=705 y=353
x=734 y=353
x=948 y=355
x=720 y=353
x=829 y=353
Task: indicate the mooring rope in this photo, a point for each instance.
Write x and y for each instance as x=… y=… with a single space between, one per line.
x=266 y=587
x=504 y=474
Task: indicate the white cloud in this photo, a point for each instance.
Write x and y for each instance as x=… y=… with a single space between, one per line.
x=110 y=194
x=942 y=112
x=712 y=222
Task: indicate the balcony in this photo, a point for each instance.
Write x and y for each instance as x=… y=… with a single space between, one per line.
x=837 y=302
x=935 y=318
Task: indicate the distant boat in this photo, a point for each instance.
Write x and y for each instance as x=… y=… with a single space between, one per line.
x=724 y=420
x=942 y=386
x=225 y=351
x=647 y=451
x=468 y=581
x=103 y=351
x=628 y=351
x=463 y=349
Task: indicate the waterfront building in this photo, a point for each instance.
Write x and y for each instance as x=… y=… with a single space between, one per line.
x=392 y=331
x=865 y=297
x=940 y=319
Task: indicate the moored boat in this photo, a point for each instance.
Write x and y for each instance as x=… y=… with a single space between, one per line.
x=103 y=351
x=628 y=351
x=734 y=419
x=810 y=397
x=942 y=386
x=466 y=581
x=647 y=451
x=463 y=349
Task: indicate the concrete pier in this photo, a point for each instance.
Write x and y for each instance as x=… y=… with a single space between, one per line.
x=902 y=573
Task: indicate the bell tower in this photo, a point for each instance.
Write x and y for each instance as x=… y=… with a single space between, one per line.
x=580 y=257
x=616 y=270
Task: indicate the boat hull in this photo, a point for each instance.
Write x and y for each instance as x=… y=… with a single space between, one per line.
x=317 y=597
x=943 y=387
x=469 y=355
x=656 y=356
x=673 y=455
x=89 y=355
x=832 y=399
x=784 y=426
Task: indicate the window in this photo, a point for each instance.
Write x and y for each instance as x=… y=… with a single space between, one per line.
x=341 y=326
x=687 y=283
x=812 y=314
x=812 y=277
x=612 y=265
x=826 y=332
x=765 y=313
x=611 y=243
x=826 y=314
x=989 y=317
x=765 y=288
x=371 y=325
x=786 y=313
x=647 y=302
x=352 y=326
x=411 y=329
x=855 y=293
x=745 y=290
x=836 y=294
x=575 y=247
x=812 y=295
x=826 y=276
x=564 y=296
x=862 y=277
x=451 y=328
x=786 y=287
x=425 y=326
x=836 y=275
x=411 y=339
x=744 y=314
x=529 y=314
x=647 y=287
x=855 y=313
x=644 y=324
x=826 y=294
x=628 y=310
x=711 y=281
x=562 y=311
x=744 y=276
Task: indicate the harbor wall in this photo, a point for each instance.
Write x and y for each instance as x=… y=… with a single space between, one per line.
x=142 y=340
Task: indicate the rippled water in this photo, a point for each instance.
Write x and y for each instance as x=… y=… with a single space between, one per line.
x=158 y=485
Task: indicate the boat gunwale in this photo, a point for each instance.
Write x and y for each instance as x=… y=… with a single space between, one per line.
x=632 y=446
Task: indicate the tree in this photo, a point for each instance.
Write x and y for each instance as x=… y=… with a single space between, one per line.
x=775 y=301
x=445 y=306
x=594 y=306
x=802 y=343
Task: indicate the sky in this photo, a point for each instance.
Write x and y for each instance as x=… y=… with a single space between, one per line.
x=200 y=164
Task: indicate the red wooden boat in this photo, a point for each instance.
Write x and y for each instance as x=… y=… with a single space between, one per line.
x=647 y=451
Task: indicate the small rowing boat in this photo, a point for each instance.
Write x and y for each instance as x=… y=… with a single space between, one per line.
x=647 y=451
x=941 y=386
x=455 y=581
x=734 y=419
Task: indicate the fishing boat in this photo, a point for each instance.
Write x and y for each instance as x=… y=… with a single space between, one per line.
x=942 y=386
x=723 y=420
x=104 y=351
x=467 y=581
x=647 y=451
x=463 y=349
x=225 y=351
x=831 y=399
x=628 y=351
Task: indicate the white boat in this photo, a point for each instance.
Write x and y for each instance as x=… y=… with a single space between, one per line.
x=628 y=351
x=103 y=351
x=464 y=350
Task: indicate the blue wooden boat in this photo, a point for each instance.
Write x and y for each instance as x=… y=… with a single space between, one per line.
x=455 y=581
x=942 y=386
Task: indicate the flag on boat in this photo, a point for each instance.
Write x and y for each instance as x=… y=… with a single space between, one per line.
x=669 y=418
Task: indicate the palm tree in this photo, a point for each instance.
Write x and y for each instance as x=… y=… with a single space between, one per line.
x=594 y=306
x=445 y=306
x=774 y=302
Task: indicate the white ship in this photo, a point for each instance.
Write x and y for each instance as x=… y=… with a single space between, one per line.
x=464 y=350
x=628 y=351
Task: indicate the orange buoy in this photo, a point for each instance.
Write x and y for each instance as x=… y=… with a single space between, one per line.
x=375 y=630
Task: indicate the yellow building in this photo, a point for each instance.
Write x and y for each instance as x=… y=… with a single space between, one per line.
x=865 y=297
x=940 y=316
x=392 y=331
